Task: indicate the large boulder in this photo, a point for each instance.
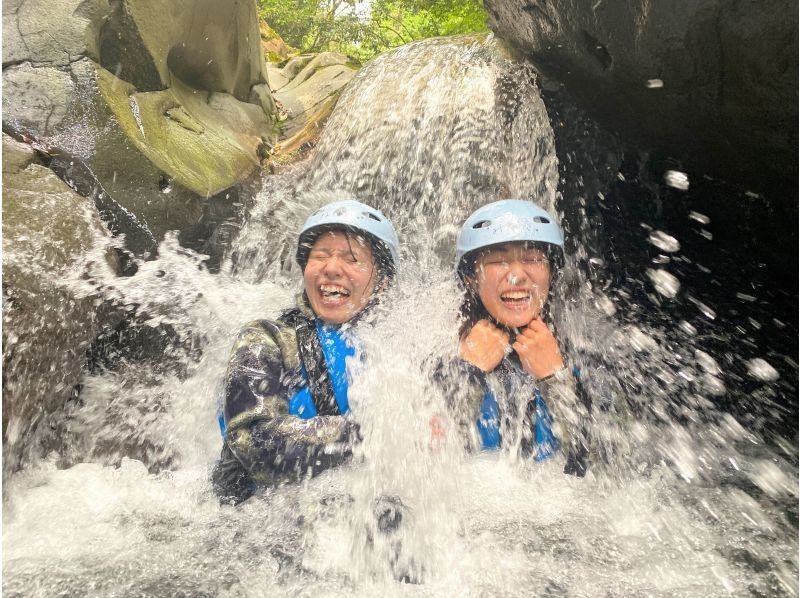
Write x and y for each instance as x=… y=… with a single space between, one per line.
x=167 y=103
x=713 y=82
x=52 y=238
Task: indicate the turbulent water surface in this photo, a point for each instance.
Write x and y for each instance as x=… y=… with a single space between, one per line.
x=683 y=498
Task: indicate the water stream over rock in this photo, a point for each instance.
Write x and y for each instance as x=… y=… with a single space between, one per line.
x=685 y=496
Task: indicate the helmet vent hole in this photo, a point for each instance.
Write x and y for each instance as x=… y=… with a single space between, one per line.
x=541 y=219
x=373 y=216
x=482 y=224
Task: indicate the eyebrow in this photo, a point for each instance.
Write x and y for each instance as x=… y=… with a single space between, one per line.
x=354 y=251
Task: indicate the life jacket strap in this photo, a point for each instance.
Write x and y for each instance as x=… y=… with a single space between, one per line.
x=312 y=358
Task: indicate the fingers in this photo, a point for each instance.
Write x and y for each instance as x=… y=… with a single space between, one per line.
x=537 y=329
x=491 y=330
x=536 y=325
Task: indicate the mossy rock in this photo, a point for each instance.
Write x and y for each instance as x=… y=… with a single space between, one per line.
x=205 y=141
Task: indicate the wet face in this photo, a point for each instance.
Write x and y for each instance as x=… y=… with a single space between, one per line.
x=512 y=281
x=340 y=276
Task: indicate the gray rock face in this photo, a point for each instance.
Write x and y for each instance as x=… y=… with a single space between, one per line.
x=50 y=33
x=149 y=95
x=36 y=99
x=51 y=236
x=713 y=82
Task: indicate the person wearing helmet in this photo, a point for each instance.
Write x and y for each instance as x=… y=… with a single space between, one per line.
x=284 y=411
x=519 y=392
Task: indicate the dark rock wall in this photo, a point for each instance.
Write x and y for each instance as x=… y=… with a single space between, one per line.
x=727 y=101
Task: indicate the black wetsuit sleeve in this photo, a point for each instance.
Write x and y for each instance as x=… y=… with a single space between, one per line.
x=570 y=408
x=265 y=444
x=462 y=386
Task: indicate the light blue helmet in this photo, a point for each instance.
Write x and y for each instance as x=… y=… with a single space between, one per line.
x=503 y=222
x=349 y=214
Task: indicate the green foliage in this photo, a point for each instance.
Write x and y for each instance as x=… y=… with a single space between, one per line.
x=362 y=29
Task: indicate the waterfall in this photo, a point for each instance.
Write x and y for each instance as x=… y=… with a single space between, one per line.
x=682 y=497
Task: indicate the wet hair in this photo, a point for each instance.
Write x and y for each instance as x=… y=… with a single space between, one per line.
x=381 y=256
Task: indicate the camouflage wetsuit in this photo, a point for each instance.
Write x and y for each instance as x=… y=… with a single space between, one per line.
x=264 y=444
x=520 y=397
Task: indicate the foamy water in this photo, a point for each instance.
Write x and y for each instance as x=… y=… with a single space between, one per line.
x=682 y=499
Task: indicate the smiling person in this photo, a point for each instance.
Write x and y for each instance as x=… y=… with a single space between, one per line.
x=519 y=392
x=285 y=411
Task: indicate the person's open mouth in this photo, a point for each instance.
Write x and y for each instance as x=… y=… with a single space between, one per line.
x=333 y=294
x=516 y=299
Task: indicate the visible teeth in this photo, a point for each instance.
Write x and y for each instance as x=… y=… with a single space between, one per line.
x=516 y=295
x=333 y=289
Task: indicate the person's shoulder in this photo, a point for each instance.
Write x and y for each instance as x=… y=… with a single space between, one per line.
x=260 y=326
x=259 y=332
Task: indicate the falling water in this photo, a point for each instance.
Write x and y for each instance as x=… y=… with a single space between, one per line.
x=682 y=498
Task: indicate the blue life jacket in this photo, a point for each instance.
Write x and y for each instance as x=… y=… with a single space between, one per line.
x=545 y=443
x=336 y=349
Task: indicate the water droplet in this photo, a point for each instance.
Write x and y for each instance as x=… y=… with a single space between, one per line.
x=704 y=309
x=770 y=478
x=745 y=297
x=705 y=361
x=165 y=184
x=687 y=328
x=641 y=341
x=654 y=83
x=677 y=179
x=701 y=218
x=664 y=241
x=713 y=385
x=664 y=282
x=761 y=370
x=605 y=304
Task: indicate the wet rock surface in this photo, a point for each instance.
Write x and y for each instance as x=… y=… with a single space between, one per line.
x=713 y=83
x=141 y=93
x=51 y=236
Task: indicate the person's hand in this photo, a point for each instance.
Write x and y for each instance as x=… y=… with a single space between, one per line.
x=538 y=350
x=484 y=346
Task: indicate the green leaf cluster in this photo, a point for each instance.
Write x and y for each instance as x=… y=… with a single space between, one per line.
x=363 y=28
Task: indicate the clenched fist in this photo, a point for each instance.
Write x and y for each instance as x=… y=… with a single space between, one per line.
x=484 y=346
x=538 y=350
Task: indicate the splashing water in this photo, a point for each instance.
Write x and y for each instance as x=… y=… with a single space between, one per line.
x=682 y=498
